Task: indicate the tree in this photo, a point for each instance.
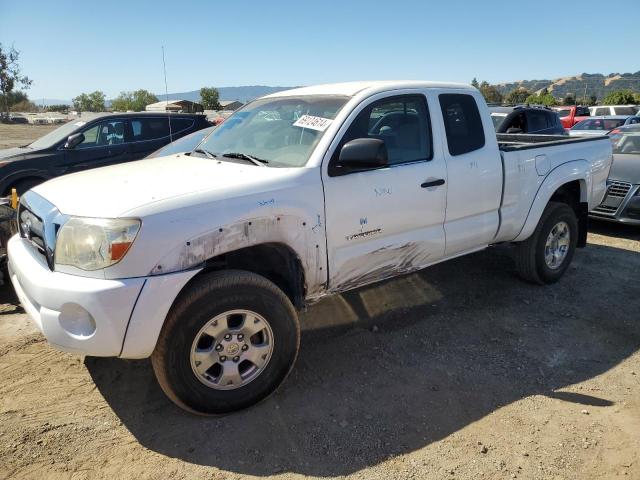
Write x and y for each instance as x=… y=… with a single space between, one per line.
x=569 y=100
x=210 y=98
x=10 y=75
x=474 y=83
x=543 y=99
x=136 y=101
x=519 y=95
x=24 y=106
x=92 y=102
x=57 y=108
x=490 y=93
x=619 y=97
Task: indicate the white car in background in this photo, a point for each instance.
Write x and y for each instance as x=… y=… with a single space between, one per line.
x=605 y=110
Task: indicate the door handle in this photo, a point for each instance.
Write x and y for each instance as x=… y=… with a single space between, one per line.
x=433 y=183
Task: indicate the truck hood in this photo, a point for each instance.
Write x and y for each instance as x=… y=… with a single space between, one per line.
x=122 y=190
x=625 y=168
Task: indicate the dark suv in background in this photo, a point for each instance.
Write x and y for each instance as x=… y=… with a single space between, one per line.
x=82 y=144
x=526 y=119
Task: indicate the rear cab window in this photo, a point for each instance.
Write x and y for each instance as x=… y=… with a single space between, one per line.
x=462 y=123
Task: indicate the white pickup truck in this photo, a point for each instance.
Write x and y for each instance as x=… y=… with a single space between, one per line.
x=201 y=260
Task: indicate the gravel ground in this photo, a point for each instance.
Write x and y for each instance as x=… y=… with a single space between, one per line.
x=457 y=372
x=22 y=134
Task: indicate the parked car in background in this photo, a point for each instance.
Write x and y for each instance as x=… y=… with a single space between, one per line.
x=184 y=144
x=526 y=119
x=572 y=114
x=105 y=139
x=605 y=110
x=622 y=201
x=202 y=260
x=601 y=125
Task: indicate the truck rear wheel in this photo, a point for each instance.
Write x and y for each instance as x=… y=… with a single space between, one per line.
x=228 y=342
x=546 y=254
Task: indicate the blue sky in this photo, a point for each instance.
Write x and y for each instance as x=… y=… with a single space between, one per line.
x=113 y=45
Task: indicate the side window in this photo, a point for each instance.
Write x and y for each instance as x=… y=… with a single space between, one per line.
x=537 y=121
x=149 y=128
x=103 y=134
x=602 y=111
x=402 y=122
x=180 y=124
x=462 y=123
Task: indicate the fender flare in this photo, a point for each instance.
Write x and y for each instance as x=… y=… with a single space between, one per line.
x=575 y=170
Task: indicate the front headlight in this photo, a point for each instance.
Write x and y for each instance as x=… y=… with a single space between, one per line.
x=94 y=243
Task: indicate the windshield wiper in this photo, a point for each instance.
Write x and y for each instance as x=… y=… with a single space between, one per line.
x=207 y=153
x=243 y=156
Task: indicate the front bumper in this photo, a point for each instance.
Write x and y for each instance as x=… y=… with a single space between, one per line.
x=90 y=316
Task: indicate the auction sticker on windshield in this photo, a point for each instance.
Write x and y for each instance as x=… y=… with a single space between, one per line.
x=314 y=123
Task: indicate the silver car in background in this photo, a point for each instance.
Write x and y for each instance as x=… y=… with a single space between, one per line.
x=622 y=200
x=601 y=125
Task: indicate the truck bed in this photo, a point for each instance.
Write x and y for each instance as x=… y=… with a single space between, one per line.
x=509 y=142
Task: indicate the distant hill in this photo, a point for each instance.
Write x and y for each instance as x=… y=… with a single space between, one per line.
x=596 y=84
x=241 y=94
x=50 y=101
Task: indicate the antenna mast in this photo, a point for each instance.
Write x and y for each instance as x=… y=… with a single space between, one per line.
x=166 y=95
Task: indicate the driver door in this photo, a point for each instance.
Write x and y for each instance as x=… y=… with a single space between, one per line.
x=104 y=144
x=386 y=221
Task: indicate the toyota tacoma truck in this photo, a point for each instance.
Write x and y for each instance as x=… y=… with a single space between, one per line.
x=202 y=260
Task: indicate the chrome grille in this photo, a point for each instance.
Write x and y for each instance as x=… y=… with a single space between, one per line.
x=38 y=222
x=618 y=189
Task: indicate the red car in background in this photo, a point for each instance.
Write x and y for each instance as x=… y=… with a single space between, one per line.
x=571 y=114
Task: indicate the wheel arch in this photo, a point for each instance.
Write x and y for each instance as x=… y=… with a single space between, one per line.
x=569 y=183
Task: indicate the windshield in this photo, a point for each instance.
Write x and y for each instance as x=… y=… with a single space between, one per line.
x=625 y=141
x=53 y=137
x=563 y=113
x=282 y=130
x=184 y=144
x=497 y=118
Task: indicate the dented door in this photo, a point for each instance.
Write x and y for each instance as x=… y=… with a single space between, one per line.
x=386 y=221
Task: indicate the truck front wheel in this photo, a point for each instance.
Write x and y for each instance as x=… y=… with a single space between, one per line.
x=228 y=342
x=546 y=254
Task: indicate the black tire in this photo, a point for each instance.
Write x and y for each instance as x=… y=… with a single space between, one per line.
x=530 y=254
x=205 y=298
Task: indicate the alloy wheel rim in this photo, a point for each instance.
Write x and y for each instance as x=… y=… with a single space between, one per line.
x=557 y=245
x=232 y=349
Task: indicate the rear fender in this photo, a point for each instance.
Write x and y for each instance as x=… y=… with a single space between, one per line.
x=579 y=170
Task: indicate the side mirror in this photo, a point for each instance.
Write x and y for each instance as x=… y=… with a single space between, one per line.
x=514 y=130
x=363 y=153
x=74 y=140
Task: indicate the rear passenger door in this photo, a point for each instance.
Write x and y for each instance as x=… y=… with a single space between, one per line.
x=474 y=171
x=150 y=133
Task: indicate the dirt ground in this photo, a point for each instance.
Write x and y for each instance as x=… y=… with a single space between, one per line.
x=460 y=371
x=18 y=135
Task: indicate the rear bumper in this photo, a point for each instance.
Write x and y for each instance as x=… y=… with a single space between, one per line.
x=90 y=316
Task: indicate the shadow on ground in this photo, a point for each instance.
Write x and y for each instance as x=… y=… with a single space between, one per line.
x=403 y=364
